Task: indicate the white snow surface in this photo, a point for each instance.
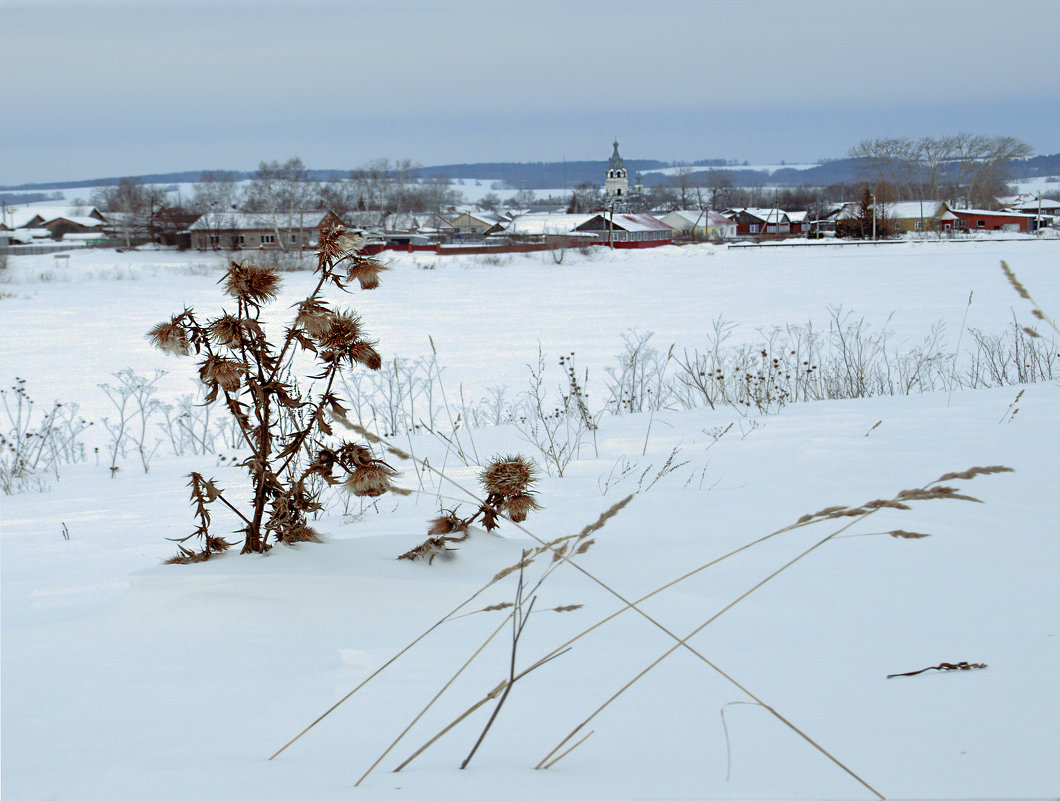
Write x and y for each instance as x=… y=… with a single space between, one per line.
x=126 y=679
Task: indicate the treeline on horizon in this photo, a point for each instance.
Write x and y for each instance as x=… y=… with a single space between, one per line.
x=571 y=174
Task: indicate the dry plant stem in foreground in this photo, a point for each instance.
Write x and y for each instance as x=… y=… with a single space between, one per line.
x=519 y=616
x=825 y=514
x=279 y=420
x=933 y=490
x=578 y=544
x=400 y=454
x=562 y=554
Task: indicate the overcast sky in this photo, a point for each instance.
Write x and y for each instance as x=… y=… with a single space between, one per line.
x=95 y=88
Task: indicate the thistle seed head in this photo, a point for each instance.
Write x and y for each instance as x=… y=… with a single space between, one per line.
x=366 y=270
x=508 y=475
x=225 y=373
x=370 y=481
x=444 y=524
x=169 y=338
x=519 y=506
x=313 y=321
x=336 y=244
x=250 y=283
x=364 y=353
x=226 y=330
x=342 y=332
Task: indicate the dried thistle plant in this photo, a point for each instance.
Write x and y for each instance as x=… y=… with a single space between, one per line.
x=281 y=420
x=508 y=481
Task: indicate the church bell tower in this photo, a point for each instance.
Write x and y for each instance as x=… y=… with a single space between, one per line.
x=616 y=187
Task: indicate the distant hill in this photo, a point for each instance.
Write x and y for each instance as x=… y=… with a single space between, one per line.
x=568 y=174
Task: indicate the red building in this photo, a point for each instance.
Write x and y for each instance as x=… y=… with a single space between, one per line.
x=969 y=220
x=772 y=223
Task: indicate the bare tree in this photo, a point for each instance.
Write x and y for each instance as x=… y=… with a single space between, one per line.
x=689 y=191
x=491 y=201
x=384 y=189
x=586 y=197
x=215 y=191
x=284 y=192
x=133 y=205
x=719 y=183
x=963 y=166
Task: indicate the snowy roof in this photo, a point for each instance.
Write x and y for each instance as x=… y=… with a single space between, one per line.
x=240 y=221
x=21 y=216
x=84 y=222
x=539 y=224
x=1031 y=205
x=766 y=215
x=633 y=222
x=694 y=217
x=989 y=213
x=911 y=209
x=486 y=217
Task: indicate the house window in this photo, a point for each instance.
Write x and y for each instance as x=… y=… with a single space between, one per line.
x=294 y=239
x=754 y=228
x=242 y=240
x=268 y=239
x=215 y=240
x=981 y=223
x=918 y=225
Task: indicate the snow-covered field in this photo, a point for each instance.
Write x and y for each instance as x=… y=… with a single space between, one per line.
x=123 y=678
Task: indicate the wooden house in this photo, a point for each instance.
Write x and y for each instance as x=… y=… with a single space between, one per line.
x=627 y=230
x=250 y=231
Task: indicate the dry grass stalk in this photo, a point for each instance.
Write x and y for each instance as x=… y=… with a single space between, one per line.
x=430 y=703
x=929 y=492
x=339 y=413
x=906 y=535
x=504 y=687
x=957 y=350
x=1037 y=310
x=519 y=619
x=824 y=514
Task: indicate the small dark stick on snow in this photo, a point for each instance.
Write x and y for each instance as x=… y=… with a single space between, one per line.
x=942 y=666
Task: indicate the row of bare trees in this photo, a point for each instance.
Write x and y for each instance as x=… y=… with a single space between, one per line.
x=377 y=191
x=964 y=167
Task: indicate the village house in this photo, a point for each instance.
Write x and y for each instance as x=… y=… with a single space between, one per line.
x=249 y=231
x=42 y=222
x=476 y=223
x=1043 y=206
x=628 y=230
x=970 y=220
x=700 y=225
x=773 y=223
x=914 y=216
